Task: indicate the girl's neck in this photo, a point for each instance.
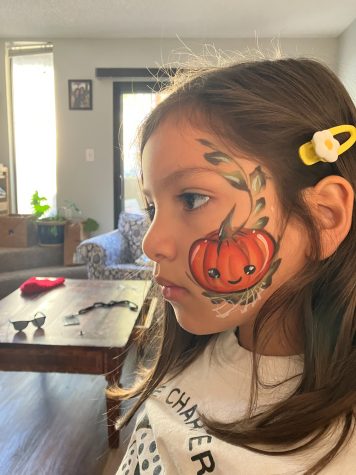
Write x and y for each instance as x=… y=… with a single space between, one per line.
x=273 y=340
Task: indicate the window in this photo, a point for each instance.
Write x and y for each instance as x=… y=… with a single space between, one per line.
x=33 y=120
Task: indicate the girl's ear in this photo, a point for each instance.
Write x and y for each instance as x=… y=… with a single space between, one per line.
x=331 y=203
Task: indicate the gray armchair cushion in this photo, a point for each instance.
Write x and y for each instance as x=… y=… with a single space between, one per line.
x=127 y=272
x=112 y=248
x=133 y=227
x=103 y=251
x=112 y=255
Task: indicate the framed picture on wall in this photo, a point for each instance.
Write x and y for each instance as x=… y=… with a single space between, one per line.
x=80 y=93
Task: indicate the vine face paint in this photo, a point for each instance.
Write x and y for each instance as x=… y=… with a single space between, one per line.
x=217 y=232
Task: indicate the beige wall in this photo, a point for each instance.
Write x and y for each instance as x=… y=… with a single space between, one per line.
x=4 y=142
x=347 y=59
x=90 y=184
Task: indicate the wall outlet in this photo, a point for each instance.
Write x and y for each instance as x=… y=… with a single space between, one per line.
x=89 y=155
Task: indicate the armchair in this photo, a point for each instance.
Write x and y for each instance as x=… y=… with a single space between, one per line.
x=117 y=254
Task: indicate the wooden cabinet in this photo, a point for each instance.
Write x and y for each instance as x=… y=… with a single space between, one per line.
x=4 y=190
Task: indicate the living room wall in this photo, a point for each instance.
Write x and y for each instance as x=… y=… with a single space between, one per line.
x=347 y=59
x=90 y=184
x=4 y=141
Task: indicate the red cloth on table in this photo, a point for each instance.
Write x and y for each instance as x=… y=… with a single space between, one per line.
x=35 y=285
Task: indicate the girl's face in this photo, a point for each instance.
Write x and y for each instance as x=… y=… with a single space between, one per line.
x=218 y=236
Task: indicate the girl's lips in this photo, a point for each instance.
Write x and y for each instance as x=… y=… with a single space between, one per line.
x=170 y=290
x=174 y=293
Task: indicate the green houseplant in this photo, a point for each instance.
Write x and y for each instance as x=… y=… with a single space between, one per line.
x=50 y=229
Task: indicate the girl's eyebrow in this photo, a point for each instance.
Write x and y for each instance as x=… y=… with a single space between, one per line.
x=180 y=174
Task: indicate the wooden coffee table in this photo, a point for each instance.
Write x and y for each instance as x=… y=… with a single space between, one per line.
x=97 y=346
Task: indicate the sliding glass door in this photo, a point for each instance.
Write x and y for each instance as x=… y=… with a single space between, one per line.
x=132 y=102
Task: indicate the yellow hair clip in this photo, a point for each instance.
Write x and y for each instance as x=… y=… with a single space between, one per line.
x=324 y=147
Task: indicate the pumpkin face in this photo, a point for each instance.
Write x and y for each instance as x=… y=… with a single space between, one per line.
x=233 y=264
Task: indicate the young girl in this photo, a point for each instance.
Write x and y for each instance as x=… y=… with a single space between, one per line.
x=249 y=174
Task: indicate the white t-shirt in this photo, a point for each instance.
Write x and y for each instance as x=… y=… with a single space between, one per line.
x=169 y=437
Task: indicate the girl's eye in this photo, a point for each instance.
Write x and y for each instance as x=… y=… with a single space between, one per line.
x=150 y=210
x=193 y=201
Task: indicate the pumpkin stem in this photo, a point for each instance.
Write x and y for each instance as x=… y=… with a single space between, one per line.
x=226 y=230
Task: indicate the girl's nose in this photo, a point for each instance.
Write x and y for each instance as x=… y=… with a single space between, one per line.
x=159 y=241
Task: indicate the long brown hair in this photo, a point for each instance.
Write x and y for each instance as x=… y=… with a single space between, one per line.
x=267 y=109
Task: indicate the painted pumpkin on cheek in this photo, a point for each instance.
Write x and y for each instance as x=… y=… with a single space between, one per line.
x=228 y=260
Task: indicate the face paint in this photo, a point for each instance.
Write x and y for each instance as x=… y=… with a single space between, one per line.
x=235 y=264
x=231 y=260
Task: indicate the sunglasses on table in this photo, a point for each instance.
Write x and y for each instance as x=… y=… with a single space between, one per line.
x=38 y=321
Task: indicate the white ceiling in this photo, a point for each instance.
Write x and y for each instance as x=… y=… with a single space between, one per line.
x=29 y=19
